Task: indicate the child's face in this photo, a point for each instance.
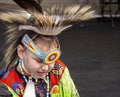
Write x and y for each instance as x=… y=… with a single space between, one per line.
x=36 y=67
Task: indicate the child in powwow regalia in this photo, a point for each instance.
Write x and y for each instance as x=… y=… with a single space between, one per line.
x=33 y=68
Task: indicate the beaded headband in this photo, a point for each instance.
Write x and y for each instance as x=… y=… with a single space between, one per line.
x=47 y=57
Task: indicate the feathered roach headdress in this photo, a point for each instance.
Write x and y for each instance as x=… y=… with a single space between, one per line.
x=52 y=22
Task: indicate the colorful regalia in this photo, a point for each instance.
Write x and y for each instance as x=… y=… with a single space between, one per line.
x=61 y=84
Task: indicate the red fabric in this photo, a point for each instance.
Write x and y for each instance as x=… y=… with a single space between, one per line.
x=11 y=78
x=54 y=78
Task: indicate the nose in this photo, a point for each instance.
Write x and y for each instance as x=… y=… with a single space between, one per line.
x=45 y=67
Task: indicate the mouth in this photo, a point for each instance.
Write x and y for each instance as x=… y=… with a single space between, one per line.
x=42 y=74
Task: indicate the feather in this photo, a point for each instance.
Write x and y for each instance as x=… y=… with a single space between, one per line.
x=30 y=89
x=29 y=5
x=72 y=13
x=53 y=22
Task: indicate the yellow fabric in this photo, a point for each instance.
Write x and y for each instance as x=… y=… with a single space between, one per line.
x=13 y=93
x=66 y=86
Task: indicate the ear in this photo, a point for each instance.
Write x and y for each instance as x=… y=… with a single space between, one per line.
x=20 y=51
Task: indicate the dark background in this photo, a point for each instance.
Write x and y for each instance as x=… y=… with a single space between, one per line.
x=91 y=51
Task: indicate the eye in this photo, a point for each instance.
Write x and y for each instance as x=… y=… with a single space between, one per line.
x=39 y=60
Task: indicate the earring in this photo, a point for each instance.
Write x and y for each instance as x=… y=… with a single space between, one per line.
x=21 y=69
x=23 y=66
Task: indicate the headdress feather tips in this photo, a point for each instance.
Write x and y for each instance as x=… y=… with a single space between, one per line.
x=30 y=4
x=51 y=22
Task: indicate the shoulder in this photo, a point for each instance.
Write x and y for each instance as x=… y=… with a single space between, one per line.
x=57 y=72
x=8 y=75
x=4 y=92
x=11 y=79
x=58 y=68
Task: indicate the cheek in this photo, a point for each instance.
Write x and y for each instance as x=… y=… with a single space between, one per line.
x=31 y=65
x=34 y=66
x=51 y=66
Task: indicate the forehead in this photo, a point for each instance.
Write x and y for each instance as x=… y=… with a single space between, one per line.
x=43 y=48
x=46 y=43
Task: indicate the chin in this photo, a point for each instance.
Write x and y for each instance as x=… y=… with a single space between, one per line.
x=41 y=77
